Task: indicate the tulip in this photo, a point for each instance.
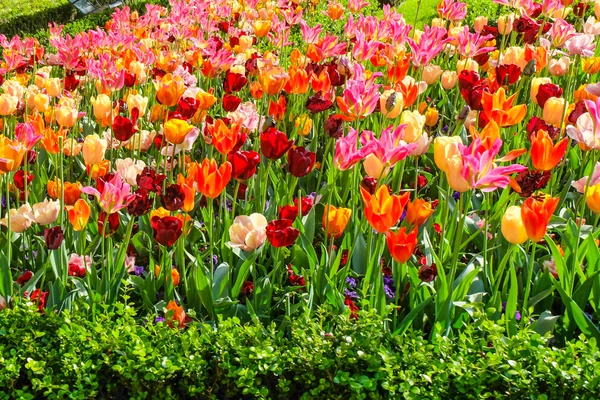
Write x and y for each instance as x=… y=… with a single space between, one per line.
x=274 y=144
x=559 y=67
x=166 y=229
x=303 y=125
x=335 y=220
x=418 y=211
x=449 y=79
x=554 y=110
x=374 y=167
x=141 y=203
x=535 y=86
x=102 y=106
x=129 y=169
x=53 y=237
x=115 y=194
x=53 y=86
x=169 y=90
x=261 y=27
x=225 y=139
x=137 y=101
x=8 y=104
x=46 y=212
x=20 y=219
x=592 y=198
x=480 y=23
x=401 y=245
x=66 y=116
x=173 y=197
x=545 y=155
x=536 y=213
x=431 y=73
x=176 y=130
x=512 y=226
x=444 y=147
x=187 y=188
x=72 y=191
x=383 y=210
x=431 y=117
x=248 y=232
x=300 y=161
x=205 y=100
x=243 y=164
x=291 y=211
x=415 y=122
x=2 y=303
x=178 y=316
x=212 y=179
x=93 y=149
x=273 y=80
x=391 y=103
x=335 y=10
x=454 y=174
x=79 y=214
x=41 y=102
x=11 y=154
x=149 y=180
x=281 y=233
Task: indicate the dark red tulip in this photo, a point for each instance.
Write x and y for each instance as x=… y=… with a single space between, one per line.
x=231 y=102
x=489 y=30
x=507 y=74
x=474 y=95
x=129 y=79
x=281 y=233
x=580 y=9
x=579 y=109
x=113 y=223
x=467 y=79
x=536 y=123
x=25 y=277
x=187 y=107
x=546 y=91
x=38 y=297
x=53 y=237
x=334 y=126
x=369 y=184
x=316 y=103
x=243 y=164
x=335 y=77
x=234 y=82
x=101 y=180
x=71 y=81
x=274 y=144
x=166 y=229
x=173 y=197
x=300 y=161
x=150 y=181
x=482 y=58
x=19 y=178
x=141 y=204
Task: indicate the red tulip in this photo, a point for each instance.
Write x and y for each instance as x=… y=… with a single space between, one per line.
x=274 y=144
x=19 y=178
x=334 y=126
x=291 y=211
x=150 y=181
x=187 y=107
x=166 y=229
x=173 y=197
x=281 y=233
x=316 y=103
x=113 y=223
x=300 y=161
x=546 y=91
x=124 y=128
x=231 y=102
x=507 y=74
x=234 y=82
x=243 y=164
x=25 y=277
x=536 y=124
x=141 y=204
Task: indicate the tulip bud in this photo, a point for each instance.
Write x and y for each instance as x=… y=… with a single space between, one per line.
x=592 y=198
x=512 y=226
x=391 y=103
x=467 y=65
x=443 y=148
x=374 y=167
x=480 y=23
x=505 y=24
x=93 y=149
x=102 y=106
x=414 y=125
x=535 y=86
x=53 y=87
x=2 y=303
x=431 y=73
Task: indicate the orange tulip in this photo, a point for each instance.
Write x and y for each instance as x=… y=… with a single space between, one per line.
x=335 y=10
x=401 y=245
x=261 y=27
x=418 y=211
x=500 y=109
x=205 y=99
x=212 y=179
x=179 y=315
x=79 y=214
x=224 y=139
x=536 y=213
x=99 y=170
x=169 y=90
x=187 y=186
x=335 y=220
x=277 y=110
x=72 y=191
x=256 y=90
x=298 y=82
x=11 y=154
x=383 y=210
x=273 y=80
x=176 y=130
x=545 y=155
x=592 y=198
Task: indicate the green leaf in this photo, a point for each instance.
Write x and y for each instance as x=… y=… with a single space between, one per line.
x=576 y=313
x=545 y=322
x=407 y=321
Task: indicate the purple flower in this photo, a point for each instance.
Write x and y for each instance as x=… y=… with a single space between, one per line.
x=351 y=282
x=389 y=287
x=456 y=195
x=158 y=319
x=138 y=270
x=351 y=294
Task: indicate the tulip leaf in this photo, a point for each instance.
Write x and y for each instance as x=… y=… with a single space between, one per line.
x=241 y=276
x=545 y=322
x=576 y=313
x=510 y=311
x=408 y=319
x=6 y=278
x=359 y=255
x=220 y=284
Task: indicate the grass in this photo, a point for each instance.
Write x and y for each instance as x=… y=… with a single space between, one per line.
x=427 y=9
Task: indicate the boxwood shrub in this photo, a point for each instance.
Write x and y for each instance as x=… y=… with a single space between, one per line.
x=118 y=356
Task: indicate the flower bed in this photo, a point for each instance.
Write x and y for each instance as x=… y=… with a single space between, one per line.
x=193 y=159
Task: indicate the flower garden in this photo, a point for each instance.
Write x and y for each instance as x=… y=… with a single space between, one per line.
x=195 y=194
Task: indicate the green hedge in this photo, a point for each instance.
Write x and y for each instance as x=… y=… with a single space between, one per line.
x=58 y=356
x=26 y=17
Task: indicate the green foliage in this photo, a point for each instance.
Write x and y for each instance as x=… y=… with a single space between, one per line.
x=484 y=8
x=29 y=16
x=56 y=356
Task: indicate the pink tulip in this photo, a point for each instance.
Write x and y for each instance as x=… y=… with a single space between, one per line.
x=115 y=195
